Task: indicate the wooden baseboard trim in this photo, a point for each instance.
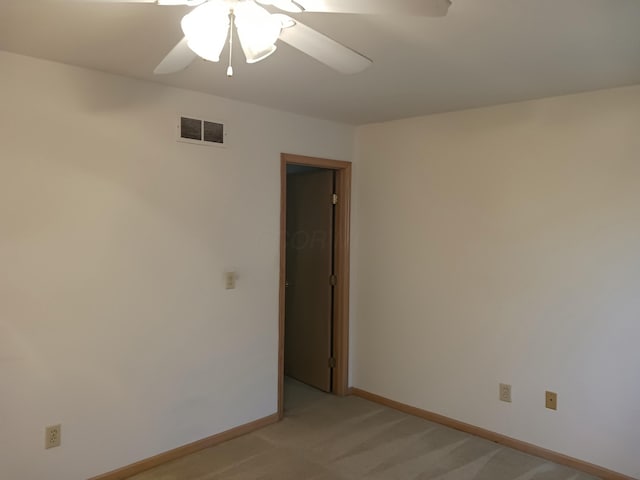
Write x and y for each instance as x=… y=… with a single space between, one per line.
x=135 y=468
x=552 y=456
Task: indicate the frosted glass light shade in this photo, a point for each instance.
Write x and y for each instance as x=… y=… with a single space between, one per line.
x=258 y=31
x=206 y=28
x=286 y=5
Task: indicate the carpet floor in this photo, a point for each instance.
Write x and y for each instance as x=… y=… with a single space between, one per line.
x=324 y=437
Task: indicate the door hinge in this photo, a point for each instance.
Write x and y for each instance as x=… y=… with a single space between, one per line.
x=332 y=362
x=334 y=199
x=333 y=280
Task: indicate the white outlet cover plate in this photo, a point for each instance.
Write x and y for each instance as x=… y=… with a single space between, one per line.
x=53 y=436
x=505 y=392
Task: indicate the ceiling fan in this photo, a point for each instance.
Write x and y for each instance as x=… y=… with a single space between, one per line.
x=209 y=26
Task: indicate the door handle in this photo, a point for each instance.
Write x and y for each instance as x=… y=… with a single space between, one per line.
x=286 y=283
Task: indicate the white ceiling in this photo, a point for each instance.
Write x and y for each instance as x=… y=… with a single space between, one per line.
x=484 y=52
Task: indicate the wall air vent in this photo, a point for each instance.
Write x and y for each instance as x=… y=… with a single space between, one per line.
x=201 y=132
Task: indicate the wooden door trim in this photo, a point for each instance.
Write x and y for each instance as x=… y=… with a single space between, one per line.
x=340 y=382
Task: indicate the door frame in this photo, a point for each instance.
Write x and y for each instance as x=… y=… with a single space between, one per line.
x=340 y=380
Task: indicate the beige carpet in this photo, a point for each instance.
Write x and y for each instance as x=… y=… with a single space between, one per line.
x=324 y=437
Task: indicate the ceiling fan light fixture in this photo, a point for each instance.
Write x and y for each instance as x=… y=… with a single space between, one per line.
x=285 y=5
x=258 y=31
x=206 y=29
x=255 y=55
x=285 y=20
x=190 y=3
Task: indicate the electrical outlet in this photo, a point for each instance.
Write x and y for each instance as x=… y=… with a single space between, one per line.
x=551 y=400
x=505 y=392
x=52 y=436
x=230 y=280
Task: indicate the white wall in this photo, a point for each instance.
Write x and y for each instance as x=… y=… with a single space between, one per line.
x=114 y=237
x=503 y=245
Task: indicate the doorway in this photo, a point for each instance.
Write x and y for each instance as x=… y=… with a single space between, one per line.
x=315 y=353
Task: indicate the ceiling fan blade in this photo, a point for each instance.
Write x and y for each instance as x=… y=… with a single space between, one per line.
x=427 y=8
x=177 y=59
x=324 y=49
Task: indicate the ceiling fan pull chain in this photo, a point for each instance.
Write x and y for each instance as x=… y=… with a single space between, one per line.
x=232 y=19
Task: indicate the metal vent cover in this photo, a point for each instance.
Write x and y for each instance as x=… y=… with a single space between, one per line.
x=203 y=132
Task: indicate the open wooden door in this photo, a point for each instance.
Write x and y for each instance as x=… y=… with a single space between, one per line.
x=309 y=270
